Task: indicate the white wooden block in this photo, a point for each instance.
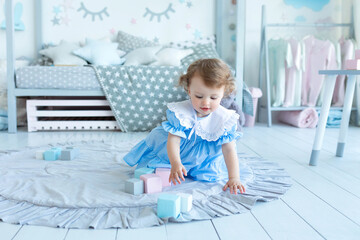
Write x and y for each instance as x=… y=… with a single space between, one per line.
x=39 y=154
x=186 y=202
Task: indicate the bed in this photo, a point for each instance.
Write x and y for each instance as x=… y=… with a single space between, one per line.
x=19 y=86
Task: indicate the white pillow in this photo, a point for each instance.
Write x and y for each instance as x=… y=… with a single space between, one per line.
x=100 y=53
x=171 y=56
x=106 y=40
x=62 y=54
x=142 y=56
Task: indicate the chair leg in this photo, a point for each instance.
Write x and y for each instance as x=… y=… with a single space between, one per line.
x=349 y=95
x=12 y=118
x=329 y=85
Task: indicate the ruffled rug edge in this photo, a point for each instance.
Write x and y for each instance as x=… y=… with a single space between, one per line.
x=270 y=182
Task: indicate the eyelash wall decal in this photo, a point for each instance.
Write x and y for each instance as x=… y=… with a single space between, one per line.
x=159 y=15
x=93 y=14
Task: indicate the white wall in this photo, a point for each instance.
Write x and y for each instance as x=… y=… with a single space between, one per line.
x=24 y=40
x=184 y=22
x=200 y=16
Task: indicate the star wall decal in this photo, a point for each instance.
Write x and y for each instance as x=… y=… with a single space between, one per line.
x=55 y=21
x=67 y=4
x=56 y=9
x=197 y=34
x=112 y=31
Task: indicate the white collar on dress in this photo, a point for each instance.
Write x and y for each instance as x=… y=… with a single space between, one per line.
x=209 y=128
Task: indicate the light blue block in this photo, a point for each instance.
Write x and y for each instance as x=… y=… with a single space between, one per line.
x=142 y=171
x=69 y=153
x=50 y=155
x=57 y=151
x=134 y=186
x=168 y=205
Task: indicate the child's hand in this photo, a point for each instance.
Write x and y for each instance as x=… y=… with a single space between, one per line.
x=177 y=171
x=234 y=184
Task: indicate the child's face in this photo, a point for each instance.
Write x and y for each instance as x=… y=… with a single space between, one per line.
x=203 y=98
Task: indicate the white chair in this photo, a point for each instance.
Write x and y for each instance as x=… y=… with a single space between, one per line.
x=329 y=85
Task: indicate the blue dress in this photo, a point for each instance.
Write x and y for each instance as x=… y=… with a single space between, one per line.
x=200 y=145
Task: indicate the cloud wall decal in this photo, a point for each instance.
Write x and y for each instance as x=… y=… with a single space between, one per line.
x=315 y=5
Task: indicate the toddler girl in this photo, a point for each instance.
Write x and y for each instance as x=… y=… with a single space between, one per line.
x=198 y=138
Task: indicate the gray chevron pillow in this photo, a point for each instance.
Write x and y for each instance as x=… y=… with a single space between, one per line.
x=128 y=42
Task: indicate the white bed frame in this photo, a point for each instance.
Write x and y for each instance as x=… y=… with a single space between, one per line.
x=14 y=93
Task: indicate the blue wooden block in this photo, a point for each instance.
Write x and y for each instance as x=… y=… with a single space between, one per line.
x=134 y=186
x=57 y=150
x=168 y=205
x=69 y=153
x=142 y=171
x=50 y=155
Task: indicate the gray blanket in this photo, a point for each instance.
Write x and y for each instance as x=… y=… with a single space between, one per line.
x=138 y=94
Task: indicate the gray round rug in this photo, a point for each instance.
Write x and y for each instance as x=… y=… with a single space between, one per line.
x=88 y=192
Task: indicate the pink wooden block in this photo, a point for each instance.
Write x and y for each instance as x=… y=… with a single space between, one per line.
x=152 y=183
x=357 y=54
x=164 y=174
x=352 y=64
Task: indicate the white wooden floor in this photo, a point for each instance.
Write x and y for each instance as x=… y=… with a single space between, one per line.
x=323 y=203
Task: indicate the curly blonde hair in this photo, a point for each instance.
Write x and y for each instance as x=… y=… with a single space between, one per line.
x=213 y=71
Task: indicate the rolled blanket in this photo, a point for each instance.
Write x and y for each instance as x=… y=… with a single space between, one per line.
x=307 y=118
x=334 y=118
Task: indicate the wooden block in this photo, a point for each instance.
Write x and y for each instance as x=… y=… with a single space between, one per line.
x=352 y=64
x=39 y=154
x=152 y=183
x=168 y=205
x=69 y=153
x=164 y=174
x=134 y=186
x=50 y=155
x=141 y=171
x=58 y=151
x=186 y=202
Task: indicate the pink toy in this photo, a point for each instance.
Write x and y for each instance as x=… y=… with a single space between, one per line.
x=357 y=54
x=352 y=64
x=152 y=183
x=164 y=174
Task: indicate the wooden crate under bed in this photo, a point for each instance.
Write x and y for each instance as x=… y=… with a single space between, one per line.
x=70 y=115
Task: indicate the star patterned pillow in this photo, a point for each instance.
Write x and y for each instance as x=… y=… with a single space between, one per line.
x=200 y=51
